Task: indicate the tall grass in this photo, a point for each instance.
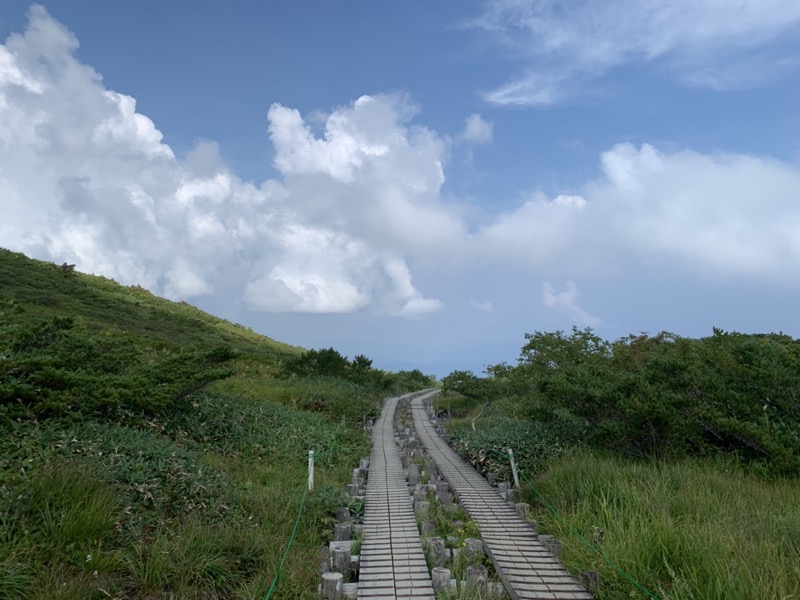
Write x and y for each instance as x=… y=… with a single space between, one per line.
x=686 y=530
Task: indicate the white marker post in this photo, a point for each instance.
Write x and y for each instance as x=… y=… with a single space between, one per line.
x=513 y=467
x=310 y=470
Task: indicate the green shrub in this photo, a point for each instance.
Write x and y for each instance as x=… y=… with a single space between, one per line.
x=659 y=397
x=486 y=447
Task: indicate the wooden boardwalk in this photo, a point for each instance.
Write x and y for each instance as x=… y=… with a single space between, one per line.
x=524 y=564
x=392 y=561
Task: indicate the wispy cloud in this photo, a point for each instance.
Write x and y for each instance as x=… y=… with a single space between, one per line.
x=567 y=302
x=565 y=45
x=483 y=306
x=476 y=130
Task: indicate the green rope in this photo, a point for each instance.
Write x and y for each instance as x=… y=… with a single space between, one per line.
x=288 y=546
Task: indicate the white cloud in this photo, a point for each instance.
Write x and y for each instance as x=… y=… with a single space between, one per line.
x=476 y=130
x=733 y=216
x=713 y=43
x=537 y=233
x=567 y=302
x=85 y=178
x=371 y=171
x=482 y=306
x=533 y=88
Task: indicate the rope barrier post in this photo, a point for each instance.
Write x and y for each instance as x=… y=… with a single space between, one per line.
x=513 y=467
x=310 y=470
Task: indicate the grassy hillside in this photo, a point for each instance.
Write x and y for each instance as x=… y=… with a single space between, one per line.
x=149 y=450
x=44 y=289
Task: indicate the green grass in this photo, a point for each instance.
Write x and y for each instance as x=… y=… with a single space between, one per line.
x=690 y=529
x=708 y=528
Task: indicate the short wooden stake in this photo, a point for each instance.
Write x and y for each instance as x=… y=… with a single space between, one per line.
x=331 y=586
x=513 y=467
x=440 y=577
x=341 y=562
x=473 y=548
x=310 y=470
x=341 y=532
x=477 y=579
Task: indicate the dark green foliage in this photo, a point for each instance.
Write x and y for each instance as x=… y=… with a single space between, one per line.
x=465 y=383
x=59 y=367
x=325 y=363
x=660 y=396
x=74 y=345
x=485 y=448
x=409 y=381
x=329 y=363
x=235 y=427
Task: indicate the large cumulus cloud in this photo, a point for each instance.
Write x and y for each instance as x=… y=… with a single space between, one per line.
x=724 y=215
x=357 y=203
x=85 y=178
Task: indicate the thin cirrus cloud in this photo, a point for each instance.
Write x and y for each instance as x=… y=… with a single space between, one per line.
x=86 y=179
x=563 y=46
x=482 y=306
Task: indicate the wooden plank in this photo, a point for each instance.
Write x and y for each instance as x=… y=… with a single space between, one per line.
x=524 y=564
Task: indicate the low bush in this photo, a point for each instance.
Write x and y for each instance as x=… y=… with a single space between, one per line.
x=485 y=448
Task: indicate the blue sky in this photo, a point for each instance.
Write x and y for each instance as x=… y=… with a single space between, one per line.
x=421 y=182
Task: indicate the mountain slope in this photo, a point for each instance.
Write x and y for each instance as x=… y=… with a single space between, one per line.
x=46 y=289
x=147 y=449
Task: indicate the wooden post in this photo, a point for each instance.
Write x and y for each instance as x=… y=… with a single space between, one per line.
x=341 y=562
x=440 y=577
x=438 y=552
x=310 y=470
x=590 y=580
x=343 y=514
x=443 y=493
x=552 y=544
x=331 y=586
x=477 y=579
x=513 y=467
x=341 y=532
x=473 y=548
